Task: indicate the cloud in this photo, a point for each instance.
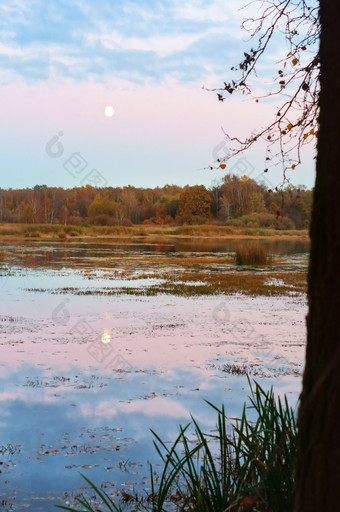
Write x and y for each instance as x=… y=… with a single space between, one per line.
x=140 y=41
x=161 y=45
x=155 y=407
x=200 y=10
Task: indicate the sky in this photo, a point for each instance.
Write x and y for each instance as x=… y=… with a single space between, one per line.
x=63 y=62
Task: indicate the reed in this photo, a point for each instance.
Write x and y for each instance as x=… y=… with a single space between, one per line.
x=253 y=465
x=247 y=465
x=252 y=253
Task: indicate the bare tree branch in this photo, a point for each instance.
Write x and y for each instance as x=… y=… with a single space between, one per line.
x=296 y=83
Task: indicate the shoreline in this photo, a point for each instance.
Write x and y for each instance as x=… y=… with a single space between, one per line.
x=57 y=232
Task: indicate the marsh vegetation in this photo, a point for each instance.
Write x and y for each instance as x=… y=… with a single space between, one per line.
x=182 y=323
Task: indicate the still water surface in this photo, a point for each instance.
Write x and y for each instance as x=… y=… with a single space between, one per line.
x=83 y=377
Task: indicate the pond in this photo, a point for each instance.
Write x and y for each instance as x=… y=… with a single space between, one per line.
x=91 y=359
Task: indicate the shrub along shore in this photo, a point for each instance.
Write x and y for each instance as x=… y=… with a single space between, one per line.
x=234 y=201
x=64 y=231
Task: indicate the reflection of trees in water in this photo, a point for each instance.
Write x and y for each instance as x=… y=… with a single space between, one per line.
x=287 y=246
x=165 y=247
x=273 y=246
x=83 y=254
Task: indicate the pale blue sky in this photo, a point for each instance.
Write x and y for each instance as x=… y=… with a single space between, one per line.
x=62 y=62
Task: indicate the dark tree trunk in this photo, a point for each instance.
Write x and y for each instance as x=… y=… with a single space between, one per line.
x=318 y=469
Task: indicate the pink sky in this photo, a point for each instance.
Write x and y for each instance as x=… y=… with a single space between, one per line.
x=158 y=134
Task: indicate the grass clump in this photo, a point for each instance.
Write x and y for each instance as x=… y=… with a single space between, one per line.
x=73 y=230
x=252 y=253
x=247 y=465
x=62 y=235
x=193 y=284
x=234 y=369
x=203 y=230
x=33 y=234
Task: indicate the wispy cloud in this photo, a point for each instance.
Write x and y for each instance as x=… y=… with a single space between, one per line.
x=153 y=407
x=135 y=40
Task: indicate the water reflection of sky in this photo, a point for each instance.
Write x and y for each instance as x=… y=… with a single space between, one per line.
x=66 y=402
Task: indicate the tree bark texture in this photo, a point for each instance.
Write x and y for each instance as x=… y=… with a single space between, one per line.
x=318 y=464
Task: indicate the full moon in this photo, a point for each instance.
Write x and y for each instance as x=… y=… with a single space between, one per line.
x=109 y=111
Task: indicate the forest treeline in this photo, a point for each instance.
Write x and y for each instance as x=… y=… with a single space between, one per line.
x=234 y=200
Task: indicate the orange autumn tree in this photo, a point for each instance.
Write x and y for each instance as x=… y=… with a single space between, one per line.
x=194 y=206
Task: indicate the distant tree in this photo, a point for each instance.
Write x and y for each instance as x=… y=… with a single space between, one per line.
x=48 y=209
x=102 y=211
x=296 y=205
x=230 y=198
x=194 y=205
x=63 y=214
x=24 y=213
x=35 y=207
x=130 y=202
x=256 y=202
x=239 y=196
x=170 y=204
x=119 y=215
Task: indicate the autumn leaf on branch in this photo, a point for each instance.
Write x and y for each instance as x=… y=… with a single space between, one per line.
x=296 y=84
